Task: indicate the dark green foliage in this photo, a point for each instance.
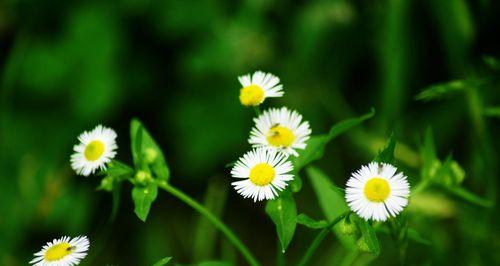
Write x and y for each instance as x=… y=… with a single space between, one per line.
x=283 y=213
x=64 y=68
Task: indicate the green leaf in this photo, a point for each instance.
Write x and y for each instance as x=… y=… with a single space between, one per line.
x=143 y=197
x=442 y=90
x=468 y=196
x=163 y=261
x=428 y=154
x=136 y=142
x=331 y=200
x=492 y=62
x=119 y=170
x=386 y=155
x=415 y=236
x=283 y=213
x=368 y=234
x=412 y=234
x=214 y=263
x=145 y=151
x=316 y=144
x=205 y=234
x=493 y=111
x=303 y=219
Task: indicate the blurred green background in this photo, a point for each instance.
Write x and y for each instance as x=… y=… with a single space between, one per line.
x=68 y=66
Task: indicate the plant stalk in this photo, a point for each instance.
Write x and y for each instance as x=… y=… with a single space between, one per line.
x=247 y=255
x=319 y=238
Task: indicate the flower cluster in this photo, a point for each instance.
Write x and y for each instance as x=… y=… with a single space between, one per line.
x=374 y=192
x=277 y=134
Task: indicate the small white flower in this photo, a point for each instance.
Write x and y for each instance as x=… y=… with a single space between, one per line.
x=95 y=150
x=264 y=173
x=62 y=252
x=377 y=192
x=258 y=87
x=280 y=129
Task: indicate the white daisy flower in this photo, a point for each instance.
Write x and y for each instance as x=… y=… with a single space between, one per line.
x=376 y=192
x=264 y=173
x=258 y=87
x=95 y=150
x=280 y=129
x=62 y=252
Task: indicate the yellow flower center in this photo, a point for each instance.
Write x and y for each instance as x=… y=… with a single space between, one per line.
x=94 y=150
x=280 y=136
x=377 y=189
x=58 y=251
x=251 y=95
x=262 y=174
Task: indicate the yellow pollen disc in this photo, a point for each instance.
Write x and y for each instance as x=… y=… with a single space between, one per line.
x=280 y=136
x=377 y=189
x=58 y=251
x=94 y=150
x=251 y=95
x=262 y=174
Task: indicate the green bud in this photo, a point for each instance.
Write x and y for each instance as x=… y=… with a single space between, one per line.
x=347 y=227
x=362 y=245
x=143 y=177
x=436 y=164
x=150 y=155
x=106 y=183
x=457 y=172
x=296 y=184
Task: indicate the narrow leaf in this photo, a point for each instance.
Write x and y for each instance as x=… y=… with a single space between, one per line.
x=415 y=236
x=347 y=124
x=442 y=90
x=368 y=234
x=163 y=261
x=493 y=111
x=136 y=142
x=214 y=263
x=145 y=151
x=316 y=144
x=331 y=201
x=303 y=219
x=492 y=62
x=468 y=196
x=386 y=155
x=429 y=157
x=143 y=197
x=283 y=213
x=412 y=234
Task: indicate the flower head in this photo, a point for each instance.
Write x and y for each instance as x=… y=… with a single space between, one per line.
x=377 y=192
x=263 y=172
x=95 y=150
x=280 y=129
x=257 y=87
x=62 y=252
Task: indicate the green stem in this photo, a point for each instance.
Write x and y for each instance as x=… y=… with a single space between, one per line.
x=257 y=110
x=214 y=220
x=317 y=241
x=421 y=186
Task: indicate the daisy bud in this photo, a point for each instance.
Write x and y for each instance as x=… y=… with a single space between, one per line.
x=150 y=155
x=362 y=245
x=143 y=177
x=347 y=227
